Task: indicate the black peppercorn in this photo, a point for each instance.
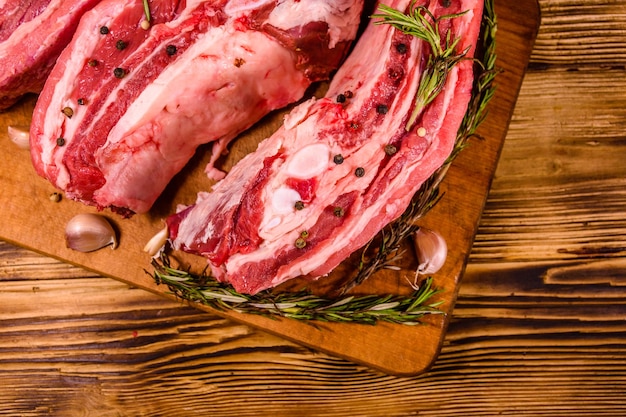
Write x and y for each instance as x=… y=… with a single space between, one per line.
x=359 y=172
x=341 y=98
x=104 y=30
x=338 y=211
x=338 y=159
x=382 y=109
x=121 y=45
x=170 y=50
x=60 y=141
x=299 y=205
x=401 y=48
x=119 y=72
x=390 y=149
x=81 y=101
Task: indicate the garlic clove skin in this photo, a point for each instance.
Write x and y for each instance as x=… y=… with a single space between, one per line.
x=88 y=232
x=20 y=136
x=157 y=242
x=431 y=250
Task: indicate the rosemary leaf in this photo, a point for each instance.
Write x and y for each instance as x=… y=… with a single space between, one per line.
x=420 y=23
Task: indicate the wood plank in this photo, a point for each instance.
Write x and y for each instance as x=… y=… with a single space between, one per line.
x=142 y=355
x=539 y=336
x=26 y=205
x=572 y=173
x=580 y=33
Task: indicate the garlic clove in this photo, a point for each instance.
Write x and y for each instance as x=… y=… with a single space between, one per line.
x=156 y=243
x=88 y=232
x=431 y=250
x=20 y=135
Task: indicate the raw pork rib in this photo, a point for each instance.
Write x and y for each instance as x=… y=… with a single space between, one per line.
x=326 y=182
x=125 y=108
x=32 y=35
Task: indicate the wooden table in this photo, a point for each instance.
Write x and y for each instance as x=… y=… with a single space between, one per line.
x=538 y=328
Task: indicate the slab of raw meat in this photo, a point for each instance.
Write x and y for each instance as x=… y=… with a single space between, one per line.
x=125 y=108
x=341 y=168
x=32 y=35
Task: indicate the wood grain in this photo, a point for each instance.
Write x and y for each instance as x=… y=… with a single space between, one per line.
x=538 y=326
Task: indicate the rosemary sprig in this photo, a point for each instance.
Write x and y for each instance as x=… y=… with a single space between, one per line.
x=390 y=239
x=484 y=86
x=422 y=24
x=433 y=79
x=387 y=252
x=301 y=305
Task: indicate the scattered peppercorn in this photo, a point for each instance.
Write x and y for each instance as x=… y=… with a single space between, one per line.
x=390 y=149
x=121 y=45
x=304 y=234
x=341 y=98
x=299 y=205
x=359 y=172
x=348 y=94
x=446 y=3
x=68 y=112
x=55 y=197
x=338 y=159
x=170 y=50
x=401 y=48
x=239 y=62
x=300 y=243
x=92 y=63
x=382 y=109
x=104 y=30
x=81 y=101
x=60 y=141
x=119 y=72
x=338 y=211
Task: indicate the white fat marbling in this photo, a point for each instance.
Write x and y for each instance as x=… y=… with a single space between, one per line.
x=310 y=161
x=284 y=200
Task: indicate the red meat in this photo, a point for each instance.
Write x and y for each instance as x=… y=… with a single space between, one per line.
x=339 y=144
x=32 y=35
x=142 y=101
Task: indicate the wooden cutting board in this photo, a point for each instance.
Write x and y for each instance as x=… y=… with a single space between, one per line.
x=32 y=220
